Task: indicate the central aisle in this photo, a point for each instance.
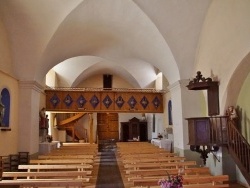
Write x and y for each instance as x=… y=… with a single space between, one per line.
x=109 y=175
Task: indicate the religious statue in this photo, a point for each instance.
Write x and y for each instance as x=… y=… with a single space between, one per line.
x=233 y=116
x=42 y=119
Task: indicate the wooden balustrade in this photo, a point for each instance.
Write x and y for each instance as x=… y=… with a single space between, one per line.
x=239 y=149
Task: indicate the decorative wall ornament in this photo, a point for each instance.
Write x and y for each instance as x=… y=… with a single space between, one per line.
x=94 y=101
x=199 y=78
x=54 y=100
x=81 y=101
x=144 y=102
x=132 y=102
x=107 y=101
x=156 y=102
x=119 y=101
x=68 y=100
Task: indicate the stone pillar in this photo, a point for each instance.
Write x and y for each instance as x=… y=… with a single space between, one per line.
x=29 y=104
x=185 y=103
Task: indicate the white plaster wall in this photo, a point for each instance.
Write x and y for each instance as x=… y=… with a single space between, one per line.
x=224 y=41
x=243 y=108
x=185 y=104
x=51 y=78
x=96 y=81
x=5 y=56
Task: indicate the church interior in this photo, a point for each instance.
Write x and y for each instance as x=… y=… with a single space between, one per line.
x=125 y=92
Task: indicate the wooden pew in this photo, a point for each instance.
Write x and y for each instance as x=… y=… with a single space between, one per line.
x=78 y=167
x=201 y=180
x=176 y=165
x=43 y=183
x=133 y=174
x=48 y=175
x=66 y=156
x=205 y=185
x=190 y=186
x=61 y=161
x=206 y=179
x=153 y=160
x=147 y=155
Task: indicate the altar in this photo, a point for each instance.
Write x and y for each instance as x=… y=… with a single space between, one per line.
x=163 y=143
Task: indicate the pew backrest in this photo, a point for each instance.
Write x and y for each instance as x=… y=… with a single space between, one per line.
x=54 y=167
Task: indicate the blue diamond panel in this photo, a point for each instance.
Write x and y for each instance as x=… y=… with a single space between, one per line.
x=132 y=102
x=81 y=101
x=119 y=101
x=144 y=102
x=107 y=101
x=68 y=100
x=54 y=100
x=156 y=102
x=94 y=101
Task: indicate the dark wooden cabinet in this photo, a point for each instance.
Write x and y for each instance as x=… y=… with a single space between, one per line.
x=134 y=129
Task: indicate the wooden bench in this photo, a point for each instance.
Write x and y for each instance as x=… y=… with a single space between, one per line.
x=29 y=168
x=190 y=186
x=165 y=172
x=77 y=183
x=197 y=179
x=48 y=175
x=61 y=161
x=147 y=155
x=176 y=165
x=205 y=185
x=153 y=160
x=206 y=179
x=66 y=156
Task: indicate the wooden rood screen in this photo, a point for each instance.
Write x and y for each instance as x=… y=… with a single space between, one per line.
x=101 y=100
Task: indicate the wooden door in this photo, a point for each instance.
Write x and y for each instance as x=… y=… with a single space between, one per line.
x=107 y=126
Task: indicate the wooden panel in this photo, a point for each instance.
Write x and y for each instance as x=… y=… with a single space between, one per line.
x=89 y=96
x=107 y=126
x=143 y=102
x=199 y=131
x=107 y=101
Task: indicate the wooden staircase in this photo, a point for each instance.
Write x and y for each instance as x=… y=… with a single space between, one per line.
x=69 y=125
x=239 y=149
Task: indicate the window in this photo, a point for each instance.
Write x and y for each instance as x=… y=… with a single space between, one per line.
x=5 y=108
x=170 y=121
x=153 y=122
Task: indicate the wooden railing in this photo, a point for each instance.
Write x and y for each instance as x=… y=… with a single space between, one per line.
x=218 y=130
x=239 y=149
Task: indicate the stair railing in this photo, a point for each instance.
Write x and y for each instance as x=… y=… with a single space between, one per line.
x=239 y=149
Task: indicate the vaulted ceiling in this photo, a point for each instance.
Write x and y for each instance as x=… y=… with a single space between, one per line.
x=131 y=38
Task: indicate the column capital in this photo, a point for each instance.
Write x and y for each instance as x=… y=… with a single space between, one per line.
x=31 y=85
